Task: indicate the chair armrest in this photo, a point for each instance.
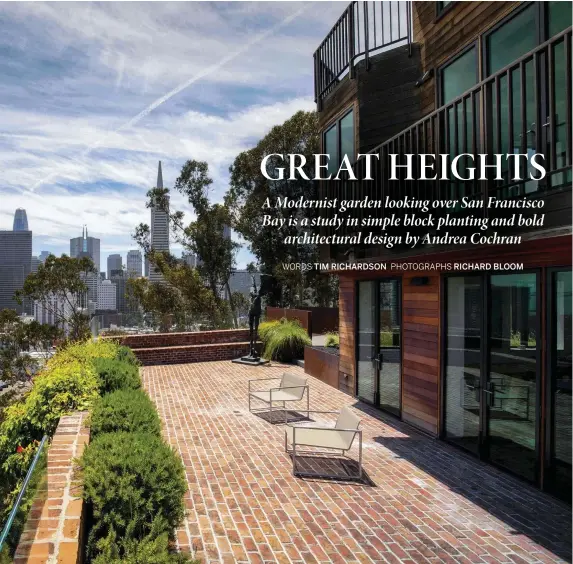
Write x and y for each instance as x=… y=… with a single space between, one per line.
x=314 y=428
x=289 y=388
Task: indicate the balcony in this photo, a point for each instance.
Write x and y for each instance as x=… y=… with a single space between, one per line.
x=364 y=29
x=524 y=108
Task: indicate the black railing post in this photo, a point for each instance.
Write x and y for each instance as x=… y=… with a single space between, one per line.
x=351 y=39
x=366 y=37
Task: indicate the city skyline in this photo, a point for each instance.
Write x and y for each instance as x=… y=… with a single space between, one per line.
x=98 y=93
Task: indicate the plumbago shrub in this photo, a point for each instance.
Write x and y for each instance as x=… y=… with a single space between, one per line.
x=135 y=484
x=284 y=340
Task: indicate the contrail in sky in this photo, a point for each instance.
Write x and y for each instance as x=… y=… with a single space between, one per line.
x=206 y=72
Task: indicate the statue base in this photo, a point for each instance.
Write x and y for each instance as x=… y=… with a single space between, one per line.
x=251 y=360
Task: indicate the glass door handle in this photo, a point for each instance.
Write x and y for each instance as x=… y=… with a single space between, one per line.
x=490 y=395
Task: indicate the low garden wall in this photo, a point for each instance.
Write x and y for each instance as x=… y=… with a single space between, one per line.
x=56 y=522
x=149 y=340
x=180 y=348
x=322 y=363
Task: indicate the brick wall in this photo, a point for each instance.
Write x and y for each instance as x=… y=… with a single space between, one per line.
x=54 y=529
x=150 y=340
x=192 y=353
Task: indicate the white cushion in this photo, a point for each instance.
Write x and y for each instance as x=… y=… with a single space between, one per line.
x=278 y=395
x=292 y=381
x=307 y=436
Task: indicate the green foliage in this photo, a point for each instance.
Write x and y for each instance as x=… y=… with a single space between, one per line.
x=125 y=410
x=285 y=341
x=251 y=195
x=125 y=354
x=62 y=278
x=135 y=484
x=152 y=549
x=116 y=375
x=332 y=340
x=265 y=329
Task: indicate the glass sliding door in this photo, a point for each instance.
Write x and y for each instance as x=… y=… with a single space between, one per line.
x=367 y=341
x=462 y=387
x=511 y=387
x=559 y=377
x=378 y=337
x=389 y=348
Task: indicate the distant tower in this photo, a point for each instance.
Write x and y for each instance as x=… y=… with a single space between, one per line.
x=159 y=229
x=134 y=262
x=114 y=262
x=20 y=220
x=85 y=246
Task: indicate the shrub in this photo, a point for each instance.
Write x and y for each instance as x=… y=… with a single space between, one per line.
x=125 y=410
x=153 y=549
x=116 y=375
x=57 y=391
x=84 y=352
x=286 y=341
x=266 y=328
x=125 y=354
x=332 y=340
x=130 y=479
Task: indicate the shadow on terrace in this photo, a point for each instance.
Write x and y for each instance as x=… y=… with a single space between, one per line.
x=529 y=512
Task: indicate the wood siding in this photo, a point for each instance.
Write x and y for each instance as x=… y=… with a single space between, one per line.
x=388 y=98
x=442 y=37
x=420 y=352
x=346 y=328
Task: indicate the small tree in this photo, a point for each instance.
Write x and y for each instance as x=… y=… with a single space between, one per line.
x=204 y=237
x=59 y=286
x=17 y=338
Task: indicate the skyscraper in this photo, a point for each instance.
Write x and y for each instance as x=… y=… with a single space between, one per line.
x=20 y=220
x=15 y=265
x=44 y=255
x=159 y=229
x=35 y=263
x=85 y=246
x=134 y=261
x=114 y=262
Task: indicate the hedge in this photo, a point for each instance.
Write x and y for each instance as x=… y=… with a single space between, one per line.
x=125 y=410
x=135 y=484
x=68 y=382
x=116 y=374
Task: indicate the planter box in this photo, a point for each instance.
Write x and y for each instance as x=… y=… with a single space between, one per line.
x=322 y=363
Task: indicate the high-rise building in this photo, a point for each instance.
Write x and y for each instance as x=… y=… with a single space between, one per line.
x=190 y=259
x=226 y=231
x=15 y=265
x=114 y=262
x=20 y=220
x=85 y=246
x=119 y=278
x=241 y=281
x=159 y=229
x=44 y=255
x=35 y=263
x=134 y=261
x=106 y=295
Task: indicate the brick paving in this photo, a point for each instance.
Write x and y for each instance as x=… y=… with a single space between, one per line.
x=426 y=501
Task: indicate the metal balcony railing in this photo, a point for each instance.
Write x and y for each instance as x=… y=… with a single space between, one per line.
x=363 y=29
x=523 y=108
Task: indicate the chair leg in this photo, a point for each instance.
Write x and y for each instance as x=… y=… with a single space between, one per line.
x=307 y=403
x=360 y=457
x=293 y=458
x=286 y=443
x=250 y=403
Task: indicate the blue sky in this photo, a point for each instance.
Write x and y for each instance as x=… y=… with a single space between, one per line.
x=93 y=95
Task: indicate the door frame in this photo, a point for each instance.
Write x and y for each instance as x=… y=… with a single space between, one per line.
x=550 y=315
x=483 y=435
x=378 y=281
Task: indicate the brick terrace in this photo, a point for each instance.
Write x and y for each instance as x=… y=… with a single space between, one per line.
x=429 y=502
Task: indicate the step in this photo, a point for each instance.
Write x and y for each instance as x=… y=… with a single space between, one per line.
x=184 y=354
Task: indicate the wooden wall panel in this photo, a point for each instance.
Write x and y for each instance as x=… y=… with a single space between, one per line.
x=346 y=307
x=421 y=352
x=440 y=38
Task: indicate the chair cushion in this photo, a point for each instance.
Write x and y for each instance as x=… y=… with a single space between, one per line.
x=320 y=438
x=291 y=381
x=277 y=395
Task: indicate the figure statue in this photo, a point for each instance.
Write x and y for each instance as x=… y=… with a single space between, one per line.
x=254 y=317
